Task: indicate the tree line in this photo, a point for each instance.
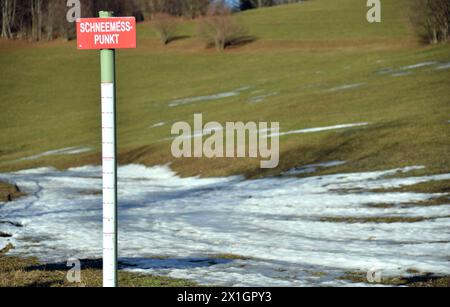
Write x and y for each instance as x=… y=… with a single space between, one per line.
x=46 y=19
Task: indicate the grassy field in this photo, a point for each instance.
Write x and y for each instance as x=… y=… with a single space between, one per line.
x=49 y=93
x=315 y=64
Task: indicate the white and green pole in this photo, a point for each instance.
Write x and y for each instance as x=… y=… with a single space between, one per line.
x=109 y=156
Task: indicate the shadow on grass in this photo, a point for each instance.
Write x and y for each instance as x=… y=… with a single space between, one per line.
x=177 y=38
x=136 y=263
x=426 y=280
x=236 y=42
x=241 y=41
x=32 y=274
x=416 y=280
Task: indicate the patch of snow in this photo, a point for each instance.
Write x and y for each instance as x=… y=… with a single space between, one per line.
x=418 y=65
x=443 y=66
x=401 y=74
x=160 y=124
x=63 y=151
x=261 y=98
x=385 y=71
x=406 y=70
x=183 y=101
x=277 y=222
x=319 y=129
x=345 y=87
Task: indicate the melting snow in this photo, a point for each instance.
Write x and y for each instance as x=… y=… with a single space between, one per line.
x=401 y=74
x=276 y=222
x=418 y=65
x=261 y=98
x=158 y=125
x=406 y=70
x=319 y=129
x=443 y=66
x=236 y=92
x=64 y=151
x=345 y=87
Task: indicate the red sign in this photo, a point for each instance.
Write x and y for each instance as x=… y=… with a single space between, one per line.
x=106 y=33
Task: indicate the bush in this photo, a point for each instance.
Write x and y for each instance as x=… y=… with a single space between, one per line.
x=165 y=26
x=219 y=28
x=431 y=19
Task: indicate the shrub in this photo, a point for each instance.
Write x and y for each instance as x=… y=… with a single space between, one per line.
x=165 y=26
x=219 y=28
x=431 y=19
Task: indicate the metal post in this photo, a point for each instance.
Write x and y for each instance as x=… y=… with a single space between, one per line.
x=109 y=156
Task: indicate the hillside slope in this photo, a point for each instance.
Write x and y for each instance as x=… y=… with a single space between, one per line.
x=315 y=64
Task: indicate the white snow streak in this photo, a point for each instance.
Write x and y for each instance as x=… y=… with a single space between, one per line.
x=63 y=151
x=183 y=101
x=319 y=129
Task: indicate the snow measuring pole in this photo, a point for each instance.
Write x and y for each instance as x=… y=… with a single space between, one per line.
x=106 y=34
x=109 y=157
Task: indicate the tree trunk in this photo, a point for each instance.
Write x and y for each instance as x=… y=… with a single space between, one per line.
x=435 y=36
x=8 y=13
x=36 y=19
x=39 y=19
x=4 y=19
x=33 y=20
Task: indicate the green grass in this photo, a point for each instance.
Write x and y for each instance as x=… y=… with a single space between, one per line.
x=318 y=19
x=49 y=93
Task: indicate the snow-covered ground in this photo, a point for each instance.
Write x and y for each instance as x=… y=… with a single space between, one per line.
x=285 y=225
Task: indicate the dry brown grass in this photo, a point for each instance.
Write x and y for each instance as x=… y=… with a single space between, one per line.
x=9 y=192
x=28 y=272
x=421 y=280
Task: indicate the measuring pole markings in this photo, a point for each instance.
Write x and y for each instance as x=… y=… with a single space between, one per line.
x=106 y=34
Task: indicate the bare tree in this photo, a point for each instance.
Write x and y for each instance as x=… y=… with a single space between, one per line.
x=165 y=26
x=8 y=17
x=40 y=19
x=431 y=19
x=219 y=28
x=36 y=19
x=194 y=8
